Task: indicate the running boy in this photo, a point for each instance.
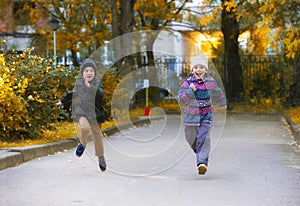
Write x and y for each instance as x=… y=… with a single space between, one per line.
x=88 y=109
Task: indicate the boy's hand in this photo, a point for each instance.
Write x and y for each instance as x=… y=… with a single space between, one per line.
x=224 y=107
x=86 y=82
x=59 y=103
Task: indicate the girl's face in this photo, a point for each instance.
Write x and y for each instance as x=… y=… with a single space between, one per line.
x=199 y=71
x=89 y=73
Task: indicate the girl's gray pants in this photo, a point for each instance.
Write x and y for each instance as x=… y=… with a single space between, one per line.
x=199 y=140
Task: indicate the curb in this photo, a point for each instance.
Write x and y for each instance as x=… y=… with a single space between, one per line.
x=10 y=159
x=295 y=131
x=18 y=155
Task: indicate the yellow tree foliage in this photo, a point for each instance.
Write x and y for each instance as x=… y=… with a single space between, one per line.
x=271 y=22
x=283 y=16
x=155 y=14
x=258 y=43
x=84 y=26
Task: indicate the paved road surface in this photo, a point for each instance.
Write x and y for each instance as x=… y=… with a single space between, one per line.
x=253 y=164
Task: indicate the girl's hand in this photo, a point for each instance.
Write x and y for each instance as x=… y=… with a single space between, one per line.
x=193 y=87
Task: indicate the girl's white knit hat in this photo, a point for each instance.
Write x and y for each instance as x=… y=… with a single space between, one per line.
x=200 y=59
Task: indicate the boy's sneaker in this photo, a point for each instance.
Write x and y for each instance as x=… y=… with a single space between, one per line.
x=202 y=169
x=102 y=164
x=79 y=150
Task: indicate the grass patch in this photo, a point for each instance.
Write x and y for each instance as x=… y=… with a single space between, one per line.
x=64 y=131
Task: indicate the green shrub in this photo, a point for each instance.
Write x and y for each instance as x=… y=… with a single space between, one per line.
x=29 y=87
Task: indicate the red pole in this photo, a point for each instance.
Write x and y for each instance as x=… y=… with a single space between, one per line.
x=147 y=103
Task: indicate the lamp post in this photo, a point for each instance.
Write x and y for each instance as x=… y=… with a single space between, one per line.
x=54 y=24
x=144 y=65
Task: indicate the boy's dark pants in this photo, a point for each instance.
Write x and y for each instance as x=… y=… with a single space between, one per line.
x=199 y=140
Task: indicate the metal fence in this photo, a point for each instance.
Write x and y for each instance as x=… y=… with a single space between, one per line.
x=264 y=76
x=267 y=77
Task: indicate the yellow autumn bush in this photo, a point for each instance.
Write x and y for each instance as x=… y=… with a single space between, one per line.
x=13 y=106
x=29 y=87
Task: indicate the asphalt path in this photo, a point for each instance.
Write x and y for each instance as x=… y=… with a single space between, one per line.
x=252 y=163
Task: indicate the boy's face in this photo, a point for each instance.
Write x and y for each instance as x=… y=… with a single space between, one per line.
x=199 y=71
x=89 y=73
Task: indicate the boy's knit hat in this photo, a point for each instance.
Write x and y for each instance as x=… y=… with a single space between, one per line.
x=88 y=63
x=200 y=59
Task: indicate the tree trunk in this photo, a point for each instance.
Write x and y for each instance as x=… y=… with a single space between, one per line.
x=122 y=23
x=294 y=96
x=230 y=30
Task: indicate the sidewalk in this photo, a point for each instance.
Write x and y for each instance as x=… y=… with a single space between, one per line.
x=253 y=164
x=12 y=157
x=15 y=156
